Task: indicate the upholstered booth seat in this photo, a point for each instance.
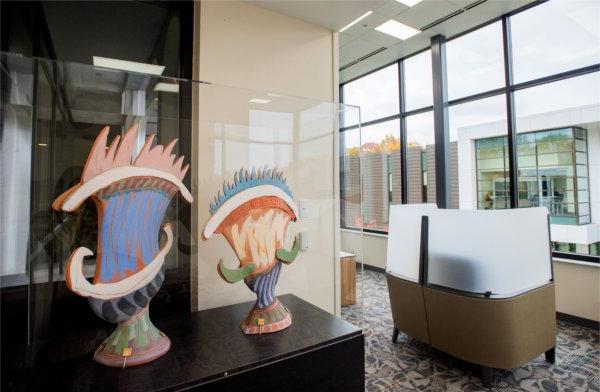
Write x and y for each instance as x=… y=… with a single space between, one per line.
x=476 y=284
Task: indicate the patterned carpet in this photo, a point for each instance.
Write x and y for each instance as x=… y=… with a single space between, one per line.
x=411 y=365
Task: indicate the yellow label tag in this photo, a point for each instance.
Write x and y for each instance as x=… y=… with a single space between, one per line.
x=127 y=352
x=260 y=321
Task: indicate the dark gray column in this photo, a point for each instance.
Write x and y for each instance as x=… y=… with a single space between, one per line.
x=513 y=174
x=440 y=120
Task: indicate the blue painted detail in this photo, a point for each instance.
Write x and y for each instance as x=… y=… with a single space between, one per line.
x=130 y=230
x=264 y=286
x=243 y=180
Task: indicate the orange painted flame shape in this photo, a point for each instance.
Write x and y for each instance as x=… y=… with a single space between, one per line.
x=120 y=152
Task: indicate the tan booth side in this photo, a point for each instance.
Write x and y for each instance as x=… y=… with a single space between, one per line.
x=408 y=308
x=497 y=333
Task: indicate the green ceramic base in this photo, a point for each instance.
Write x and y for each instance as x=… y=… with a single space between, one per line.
x=134 y=342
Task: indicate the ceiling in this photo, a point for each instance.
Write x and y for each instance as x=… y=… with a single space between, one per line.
x=361 y=39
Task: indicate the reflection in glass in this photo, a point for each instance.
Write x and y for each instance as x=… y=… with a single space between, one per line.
x=475 y=62
x=418 y=84
x=375 y=93
x=554 y=37
x=378 y=148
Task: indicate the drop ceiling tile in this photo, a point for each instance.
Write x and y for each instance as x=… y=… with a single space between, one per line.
x=379 y=38
x=425 y=12
x=465 y=3
x=357 y=48
x=476 y=16
x=391 y=8
x=366 y=25
x=345 y=39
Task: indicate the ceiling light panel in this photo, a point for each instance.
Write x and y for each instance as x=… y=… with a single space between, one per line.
x=409 y=3
x=397 y=29
x=260 y=100
x=356 y=21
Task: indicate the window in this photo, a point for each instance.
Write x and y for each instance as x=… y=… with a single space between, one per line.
x=554 y=122
x=350 y=178
x=554 y=37
x=420 y=158
x=380 y=149
x=475 y=62
x=418 y=82
x=468 y=123
x=376 y=94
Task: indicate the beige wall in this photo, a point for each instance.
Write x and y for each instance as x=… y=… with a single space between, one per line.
x=577 y=289
x=241 y=45
x=371 y=249
x=246 y=46
x=577 y=286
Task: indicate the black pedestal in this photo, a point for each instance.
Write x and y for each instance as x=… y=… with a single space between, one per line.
x=209 y=352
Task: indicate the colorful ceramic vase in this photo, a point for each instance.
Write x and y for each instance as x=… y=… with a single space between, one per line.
x=131 y=199
x=253 y=213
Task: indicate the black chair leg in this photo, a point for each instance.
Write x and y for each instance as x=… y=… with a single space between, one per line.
x=551 y=355
x=487 y=374
x=395 y=336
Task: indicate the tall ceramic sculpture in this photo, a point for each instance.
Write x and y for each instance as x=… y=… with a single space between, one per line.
x=253 y=213
x=131 y=199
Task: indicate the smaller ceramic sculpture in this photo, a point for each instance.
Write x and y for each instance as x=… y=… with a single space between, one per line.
x=131 y=199
x=253 y=213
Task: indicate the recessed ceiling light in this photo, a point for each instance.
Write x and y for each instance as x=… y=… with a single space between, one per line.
x=167 y=87
x=397 y=29
x=260 y=100
x=356 y=21
x=131 y=66
x=409 y=3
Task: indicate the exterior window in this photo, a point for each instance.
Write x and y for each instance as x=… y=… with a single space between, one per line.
x=420 y=158
x=492 y=173
x=475 y=63
x=553 y=165
x=480 y=119
x=418 y=84
x=350 y=178
x=376 y=94
x=380 y=152
x=555 y=37
x=549 y=174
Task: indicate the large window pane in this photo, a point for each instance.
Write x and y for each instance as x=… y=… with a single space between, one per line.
x=478 y=154
x=376 y=94
x=418 y=84
x=420 y=158
x=558 y=154
x=350 y=178
x=554 y=37
x=380 y=161
x=475 y=62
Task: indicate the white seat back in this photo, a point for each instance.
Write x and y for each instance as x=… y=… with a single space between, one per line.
x=505 y=252
x=404 y=239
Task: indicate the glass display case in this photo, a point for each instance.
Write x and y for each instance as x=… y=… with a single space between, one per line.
x=263 y=176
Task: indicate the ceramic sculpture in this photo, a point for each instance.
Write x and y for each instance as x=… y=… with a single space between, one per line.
x=253 y=214
x=131 y=199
